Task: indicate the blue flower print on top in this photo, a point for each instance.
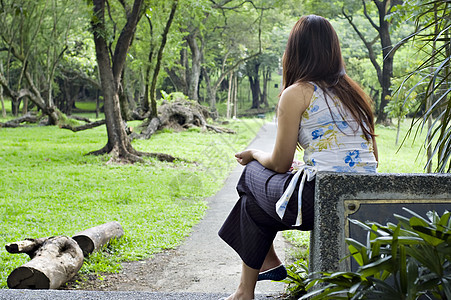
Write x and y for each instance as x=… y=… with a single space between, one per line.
x=352 y=157
x=318 y=133
x=314 y=108
x=364 y=145
x=342 y=125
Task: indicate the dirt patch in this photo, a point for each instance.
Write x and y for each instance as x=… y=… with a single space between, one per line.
x=134 y=276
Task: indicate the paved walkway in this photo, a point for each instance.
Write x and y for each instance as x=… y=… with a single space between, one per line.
x=210 y=263
x=204 y=267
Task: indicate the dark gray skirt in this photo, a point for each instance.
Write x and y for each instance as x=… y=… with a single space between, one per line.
x=253 y=223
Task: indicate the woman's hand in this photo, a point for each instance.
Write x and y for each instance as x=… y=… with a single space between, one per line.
x=245 y=157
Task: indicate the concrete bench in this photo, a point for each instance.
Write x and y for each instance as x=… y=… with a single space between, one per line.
x=373 y=197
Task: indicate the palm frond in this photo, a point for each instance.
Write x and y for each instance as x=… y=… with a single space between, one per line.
x=433 y=31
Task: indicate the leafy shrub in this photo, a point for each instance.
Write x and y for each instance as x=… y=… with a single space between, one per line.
x=405 y=261
x=297 y=279
x=173 y=96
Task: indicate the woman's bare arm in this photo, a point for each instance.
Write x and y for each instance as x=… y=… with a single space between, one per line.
x=293 y=102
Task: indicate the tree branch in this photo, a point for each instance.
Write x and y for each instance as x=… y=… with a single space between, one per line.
x=365 y=12
x=368 y=45
x=83 y=127
x=110 y=45
x=125 y=39
x=126 y=7
x=8 y=91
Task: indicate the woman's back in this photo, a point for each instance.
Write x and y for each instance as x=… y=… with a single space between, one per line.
x=332 y=138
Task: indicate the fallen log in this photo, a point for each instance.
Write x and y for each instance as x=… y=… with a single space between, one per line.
x=27 y=118
x=220 y=129
x=83 y=127
x=78 y=118
x=54 y=261
x=28 y=246
x=94 y=238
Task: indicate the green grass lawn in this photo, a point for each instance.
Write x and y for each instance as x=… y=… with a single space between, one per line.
x=49 y=187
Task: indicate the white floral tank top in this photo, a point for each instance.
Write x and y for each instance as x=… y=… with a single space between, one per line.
x=332 y=141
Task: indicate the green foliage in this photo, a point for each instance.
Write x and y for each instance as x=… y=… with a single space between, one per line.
x=399 y=107
x=300 y=241
x=297 y=275
x=173 y=96
x=48 y=186
x=432 y=37
x=403 y=103
x=403 y=261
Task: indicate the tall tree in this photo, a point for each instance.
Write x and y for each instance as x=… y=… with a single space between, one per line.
x=253 y=74
x=164 y=37
x=110 y=71
x=157 y=21
x=382 y=27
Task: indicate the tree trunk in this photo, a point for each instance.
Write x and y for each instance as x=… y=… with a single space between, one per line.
x=254 y=82
x=387 y=69
x=84 y=127
x=25 y=106
x=235 y=92
x=145 y=104
x=54 y=261
x=27 y=118
x=3 y=102
x=110 y=76
x=97 y=104
x=266 y=78
x=94 y=238
x=151 y=128
x=196 y=59
x=123 y=98
x=229 y=96
x=15 y=103
x=211 y=91
x=255 y=91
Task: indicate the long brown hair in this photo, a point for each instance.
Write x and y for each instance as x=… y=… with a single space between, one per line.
x=313 y=54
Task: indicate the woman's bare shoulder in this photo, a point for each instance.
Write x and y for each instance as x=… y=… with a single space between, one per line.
x=302 y=91
x=299 y=89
